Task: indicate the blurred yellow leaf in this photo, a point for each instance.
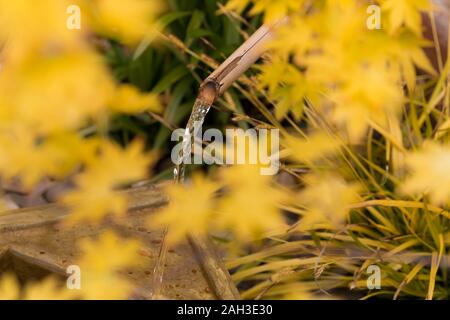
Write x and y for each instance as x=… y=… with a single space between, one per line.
x=49 y=289
x=100 y=263
x=9 y=287
x=190 y=208
x=430 y=173
x=405 y=12
x=251 y=206
x=128 y=99
x=327 y=198
x=314 y=147
x=96 y=195
x=130 y=21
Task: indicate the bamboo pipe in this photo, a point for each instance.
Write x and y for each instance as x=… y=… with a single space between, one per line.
x=221 y=79
x=238 y=63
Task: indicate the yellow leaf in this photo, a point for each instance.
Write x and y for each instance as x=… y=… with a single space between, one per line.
x=251 y=207
x=49 y=289
x=9 y=287
x=100 y=263
x=237 y=5
x=56 y=93
x=429 y=173
x=405 y=12
x=29 y=26
x=130 y=21
x=327 y=198
x=96 y=195
x=190 y=208
x=275 y=10
x=314 y=147
x=128 y=99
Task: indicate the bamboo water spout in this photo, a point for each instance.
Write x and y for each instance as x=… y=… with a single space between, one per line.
x=212 y=88
x=220 y=80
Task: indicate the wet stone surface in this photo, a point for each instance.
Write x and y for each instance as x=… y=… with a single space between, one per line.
x=33 y=245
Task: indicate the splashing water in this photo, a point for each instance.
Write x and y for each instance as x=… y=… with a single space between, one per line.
x=197 y=117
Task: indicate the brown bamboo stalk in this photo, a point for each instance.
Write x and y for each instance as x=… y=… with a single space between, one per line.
x=238 y=62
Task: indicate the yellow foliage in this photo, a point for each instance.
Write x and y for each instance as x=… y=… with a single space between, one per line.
x=237 y=5
x=311 y=148
x=405 y=13
x=96 y=196
x=430 y=173
x=248 y=208
x=9 y=287
x=327 y=198
x=272 y=10
x=55 y=93
x=128 y=21
x=58 y=156
x=47 y=289
x=290 y=96
x=127 y=99
x=251 y=206
x=100 y=265
x=190 y=209
x=339 y=62
x=275 y=10
x=53 y=83
x=35 y=28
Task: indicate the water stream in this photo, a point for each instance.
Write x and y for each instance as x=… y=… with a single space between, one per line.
x=197 y=117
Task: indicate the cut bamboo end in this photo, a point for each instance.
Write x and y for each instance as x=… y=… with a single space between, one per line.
x=244 y=57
